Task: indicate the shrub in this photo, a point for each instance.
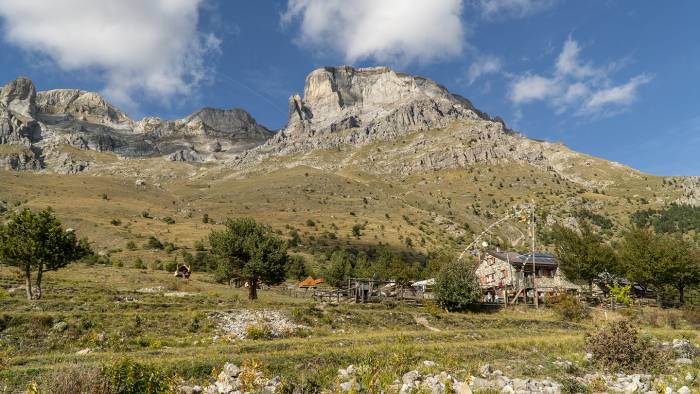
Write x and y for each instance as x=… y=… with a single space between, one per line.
x=570 y=308
x=456 y=286
x=129 y=377
x=357 y=230
x=295 y=239
x=138 y=264
x=621 y=294
x=168 y=247
x=153 y=243
x=75 y=379
x=115 y=222
x=198 y=246
x=258 y=332
x=205 y=218
x=131 y=245
x=145 y=215
x=572 y=386
x=168 y=220
x=619 y=347
x=310 y=223
x=171 y=266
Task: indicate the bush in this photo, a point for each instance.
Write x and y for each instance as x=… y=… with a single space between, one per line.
x=171 y=266
x=153 y=243
x=456 y=286
x=115 y=222
x=75 y=379
x=131 y=245
x=138 y=264
x=619 y=347
x=570 y=308
x=205 y=218
x=258 y=332
x=129 y=377
x=357 y=230
x=168 y=247
x=310 y=223
x=168 y=220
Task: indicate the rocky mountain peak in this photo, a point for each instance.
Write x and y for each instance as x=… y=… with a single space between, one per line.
x=337 y=98
x=19 y=96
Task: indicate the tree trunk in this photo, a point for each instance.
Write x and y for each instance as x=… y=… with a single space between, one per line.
x=28 y=281
x=252 y=289
x=39 y=274
x=681 y=294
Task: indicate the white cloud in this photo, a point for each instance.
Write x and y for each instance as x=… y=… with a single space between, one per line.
x=577 y=85
x=623 y=94
x=500 y=9
x=137 y=47
x=568 y=62
x=387 y=31
x=483 y=65
x=530 y=88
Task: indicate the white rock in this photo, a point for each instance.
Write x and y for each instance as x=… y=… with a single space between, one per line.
x=410 y=377
x=485 y=370
x=684 y=390
x=83 y=352
x=346 y=386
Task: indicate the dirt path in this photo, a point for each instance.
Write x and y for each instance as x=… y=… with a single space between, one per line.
x=424 y=322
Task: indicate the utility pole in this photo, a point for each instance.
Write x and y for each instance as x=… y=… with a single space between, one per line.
x=534 y=265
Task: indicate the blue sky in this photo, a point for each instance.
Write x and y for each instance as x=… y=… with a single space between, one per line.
x=618 y=80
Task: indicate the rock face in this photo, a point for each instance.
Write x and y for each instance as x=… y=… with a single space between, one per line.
x=19 y=96
x=355 y=106
x=33 y=125
x=338 y=98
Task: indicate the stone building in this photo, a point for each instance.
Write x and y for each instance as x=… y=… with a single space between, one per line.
x=507 y=276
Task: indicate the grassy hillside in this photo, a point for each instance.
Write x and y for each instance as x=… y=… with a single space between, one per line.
x=324 y=194
x=148 y=315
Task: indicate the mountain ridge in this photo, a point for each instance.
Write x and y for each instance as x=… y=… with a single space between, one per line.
x=414 y=124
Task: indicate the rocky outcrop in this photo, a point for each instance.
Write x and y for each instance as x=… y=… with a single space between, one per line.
x=65 y=104
x=20 y=160
x=19 y=96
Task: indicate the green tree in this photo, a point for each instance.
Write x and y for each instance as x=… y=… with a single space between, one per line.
x=640 y=253
x=679 y=265
x=296 y=267
x=437 y=259
x=583 y=256
x=250 y=251
x=340 y=268
x=35 y=241
x=456 y=286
